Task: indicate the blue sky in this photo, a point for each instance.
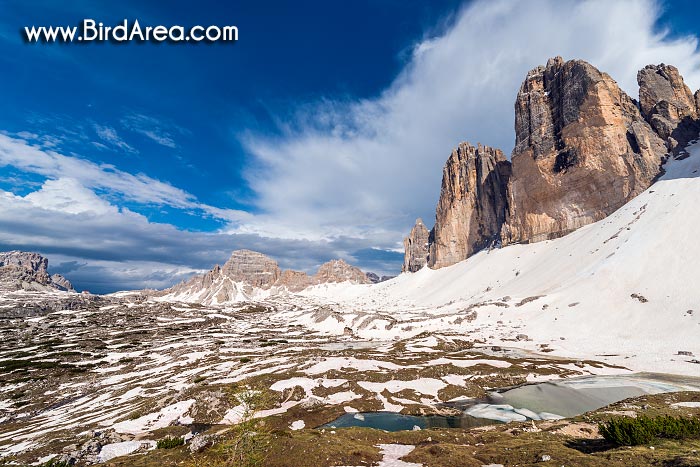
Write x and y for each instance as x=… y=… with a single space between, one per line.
x=321 y=133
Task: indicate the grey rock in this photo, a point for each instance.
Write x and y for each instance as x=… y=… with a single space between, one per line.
x=668 y=104
x=416 y=247
x=21 y=270
x=200 y=442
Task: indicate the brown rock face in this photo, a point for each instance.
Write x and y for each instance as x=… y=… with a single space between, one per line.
x=667 y=103
x=472 y=205
x=415 y=248
x=697 y=102
x=338 y=270
x=252 y=268
x=582 y=150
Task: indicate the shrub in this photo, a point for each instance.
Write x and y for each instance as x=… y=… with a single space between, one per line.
x=169 y=443
x=643 y=430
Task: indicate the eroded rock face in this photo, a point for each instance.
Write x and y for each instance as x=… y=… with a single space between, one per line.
x=582 y=150
x=338 y=270
x=295 y=280
x=415 y=248
x=668 y=104
x=472 y=205
x=253 y=268
x=24 y=270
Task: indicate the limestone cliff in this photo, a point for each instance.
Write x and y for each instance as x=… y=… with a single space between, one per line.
x=472 y=205
x=582 y=150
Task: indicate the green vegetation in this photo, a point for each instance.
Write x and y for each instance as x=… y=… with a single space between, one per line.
x=169 y=443
x=55 y=463
x=244 y=360
x=643 y=430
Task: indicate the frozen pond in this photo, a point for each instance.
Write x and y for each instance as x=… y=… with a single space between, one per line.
x=540 y=401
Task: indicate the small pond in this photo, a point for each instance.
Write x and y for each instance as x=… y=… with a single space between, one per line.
x=540 y=401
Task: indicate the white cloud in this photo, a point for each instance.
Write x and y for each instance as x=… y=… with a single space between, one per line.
x=116 y=183
x=369 y=168
x=69 y=196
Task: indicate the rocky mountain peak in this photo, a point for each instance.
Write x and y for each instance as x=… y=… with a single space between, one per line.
x=668 y=104
x=253 y=268
x=582 y=150
x=26 y=270
x=472 y=205
x=415 y=248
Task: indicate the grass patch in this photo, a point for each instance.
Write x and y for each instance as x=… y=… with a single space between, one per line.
x=643 y=430
x=169 y=443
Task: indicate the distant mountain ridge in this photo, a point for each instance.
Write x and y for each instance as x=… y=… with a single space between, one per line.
x=249 y=274
x=583 y=149
x=21 y=270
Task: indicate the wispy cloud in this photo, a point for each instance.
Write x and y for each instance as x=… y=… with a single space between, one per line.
x=109 y=135
x=152 y=128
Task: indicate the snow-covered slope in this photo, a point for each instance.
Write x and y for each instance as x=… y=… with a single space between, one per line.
x=626 y=288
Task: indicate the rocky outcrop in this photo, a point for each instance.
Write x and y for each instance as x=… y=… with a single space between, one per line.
x=668 y=104
x=338 y=270
x=582 y=150
x=472 y=205
x=21 y=270
x=416 y=248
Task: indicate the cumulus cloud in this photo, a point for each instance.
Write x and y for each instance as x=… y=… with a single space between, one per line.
x=368 y=168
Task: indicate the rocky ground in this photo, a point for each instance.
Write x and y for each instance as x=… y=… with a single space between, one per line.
x=85 y=378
